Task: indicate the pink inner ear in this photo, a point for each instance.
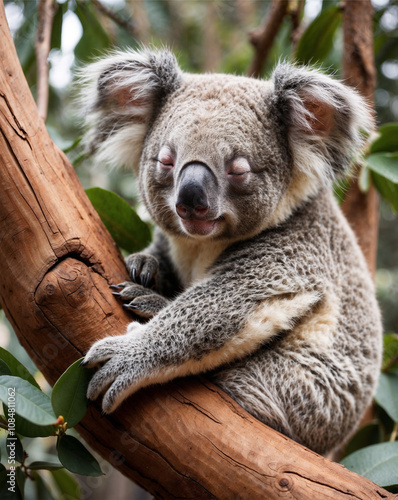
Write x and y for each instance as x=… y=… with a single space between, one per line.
x=321 y=120
x=124 y=97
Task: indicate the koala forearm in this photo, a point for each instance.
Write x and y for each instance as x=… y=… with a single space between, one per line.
x=198 y=345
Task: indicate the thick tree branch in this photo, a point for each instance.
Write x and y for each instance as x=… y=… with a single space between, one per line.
x=263 y=38
x=186 y=439
x=46 y=11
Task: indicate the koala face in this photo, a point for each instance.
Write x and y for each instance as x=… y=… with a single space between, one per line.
x=221 y=156
x=212 y=165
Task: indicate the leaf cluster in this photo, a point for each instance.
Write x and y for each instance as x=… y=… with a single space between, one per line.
x=31 y=413
x=373 y=451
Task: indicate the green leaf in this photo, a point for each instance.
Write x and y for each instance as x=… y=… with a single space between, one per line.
x=5 y=493
x=76 y=458
x=378 y=462
x=390 y=352
x=16 y=367
x=4 y=368
x=387 y=189
x=387 y=140
x=31 y=430
x=367 y=435
x=20 y=476
x=69 y=393
x=56 y=32
x=45 y=465
x=67 y=485
x=317 y=39
x=74 y=145
x=42 y=490
x=126 y=228
x=364 y=179
x=387 y=394
x=94 y=38
x=384 y=164
x=30 y=403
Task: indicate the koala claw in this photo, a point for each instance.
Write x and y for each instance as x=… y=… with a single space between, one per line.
x=144 y=302
x=143 y=268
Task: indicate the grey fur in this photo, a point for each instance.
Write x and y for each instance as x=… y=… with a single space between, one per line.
x=265 y=289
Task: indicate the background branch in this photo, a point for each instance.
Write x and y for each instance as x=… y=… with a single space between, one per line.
x=127 y=25
x=46 y=11
x=263 y=38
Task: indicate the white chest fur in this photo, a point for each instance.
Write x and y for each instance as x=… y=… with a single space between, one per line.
x=192 y=258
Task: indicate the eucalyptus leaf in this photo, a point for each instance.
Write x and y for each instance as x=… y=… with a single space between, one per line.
x=378 y=462
x=384 y=164
x=387 y=140
x=20 y=477
x=43 y=492
x=4 y=368
x=30 y=403
x=68 y=487
x=56 y=32
x=76 y=458
x=390 y=351
x=5 y=492
x=29 y=429
x=317 y=40
x=16 y=367
x=94 y=37
x=45 y=465
x=126 y=228
x=387 y=394
x=364 y=179
x=68 y=397
x=387 y=189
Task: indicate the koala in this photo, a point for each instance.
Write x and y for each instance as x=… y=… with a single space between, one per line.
x=254 y=277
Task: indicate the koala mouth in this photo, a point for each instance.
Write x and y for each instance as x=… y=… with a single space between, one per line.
x=201 y=227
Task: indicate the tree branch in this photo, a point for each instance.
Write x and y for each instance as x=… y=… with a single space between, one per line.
x=127 y=25
x=46 y=11
x=263 y=38
x=186 y=439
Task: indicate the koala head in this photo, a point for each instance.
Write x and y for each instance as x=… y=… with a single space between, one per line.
x=221 y=156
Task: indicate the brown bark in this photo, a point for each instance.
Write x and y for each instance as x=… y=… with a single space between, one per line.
x=185 y=439
x=361 y=209
x=263 y=38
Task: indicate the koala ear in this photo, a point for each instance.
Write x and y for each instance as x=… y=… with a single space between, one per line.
x=323 y=118
x=120 y=95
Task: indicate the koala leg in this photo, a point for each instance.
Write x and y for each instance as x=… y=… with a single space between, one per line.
x=142 y=301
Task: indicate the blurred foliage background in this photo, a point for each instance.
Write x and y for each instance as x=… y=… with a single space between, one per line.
x=206 y=35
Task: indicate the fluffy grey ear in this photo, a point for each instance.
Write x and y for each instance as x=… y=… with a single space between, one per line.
x=323 y=119
x=120 y=95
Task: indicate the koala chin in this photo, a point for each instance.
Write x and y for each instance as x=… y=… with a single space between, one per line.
x=254 y=276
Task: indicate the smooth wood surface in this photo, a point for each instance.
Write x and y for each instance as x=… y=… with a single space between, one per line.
x=183 y=440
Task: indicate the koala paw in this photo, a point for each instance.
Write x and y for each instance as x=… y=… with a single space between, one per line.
x=121 y=367
x=142 y=301
x=143 y=268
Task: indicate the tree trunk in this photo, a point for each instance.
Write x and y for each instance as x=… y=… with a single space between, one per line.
x=186 y=439
x=361 y=209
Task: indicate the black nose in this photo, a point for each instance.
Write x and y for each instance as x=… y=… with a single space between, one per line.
x=193 y=187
